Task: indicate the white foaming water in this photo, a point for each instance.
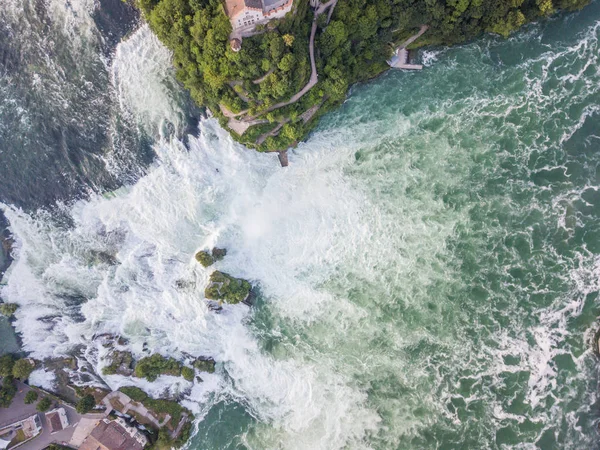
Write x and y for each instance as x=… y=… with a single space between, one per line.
x=142 y=76
x=284 y=229
x=44 y=379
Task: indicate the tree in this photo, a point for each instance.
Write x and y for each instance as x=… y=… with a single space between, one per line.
x=44 y=404
x=8 y=391
x=22 y=369
x=287 y=63
x=6 y=365
x=288 y=39
x=30 y=397
x=85 y=404
x=187 y=373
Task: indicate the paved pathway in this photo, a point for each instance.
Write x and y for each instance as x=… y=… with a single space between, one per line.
x=314 y=76
x=261 y=79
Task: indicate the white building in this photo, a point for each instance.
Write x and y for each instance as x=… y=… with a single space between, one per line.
x=57 y=419
x=246 y=14
x=133 y=432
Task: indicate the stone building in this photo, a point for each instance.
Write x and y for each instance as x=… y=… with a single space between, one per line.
x=246 y=14
x=114 y=435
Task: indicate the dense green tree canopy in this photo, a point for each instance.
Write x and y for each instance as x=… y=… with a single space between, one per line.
x=271 y=67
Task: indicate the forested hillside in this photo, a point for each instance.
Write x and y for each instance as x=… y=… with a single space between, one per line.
x=352 y=47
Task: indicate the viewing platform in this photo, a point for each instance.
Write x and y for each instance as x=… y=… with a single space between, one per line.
x=401 y=60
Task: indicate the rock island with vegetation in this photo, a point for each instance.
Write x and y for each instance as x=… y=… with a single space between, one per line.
x=260 y=81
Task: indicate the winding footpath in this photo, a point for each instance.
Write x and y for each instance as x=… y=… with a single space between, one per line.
x=314 y=76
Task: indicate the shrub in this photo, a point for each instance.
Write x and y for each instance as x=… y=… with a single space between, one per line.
x=153 y=366
x=134 y=393
x=30 y=397
x=205 y=258
x=227 y=288
x=8 y=309
x=188 y=373
x=22 y=369
x=44 y=404
x=6 y=365
x=85 y=404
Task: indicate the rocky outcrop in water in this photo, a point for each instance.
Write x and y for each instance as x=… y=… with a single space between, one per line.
x=205 y=364
x=224 y=287
x=8 y=309
x=121 y=363
x=208 y=259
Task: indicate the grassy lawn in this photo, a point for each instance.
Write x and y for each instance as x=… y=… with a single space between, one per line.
x=20 y=437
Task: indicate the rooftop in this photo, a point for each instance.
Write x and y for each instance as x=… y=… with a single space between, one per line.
x=234 y=7
x=109 y=435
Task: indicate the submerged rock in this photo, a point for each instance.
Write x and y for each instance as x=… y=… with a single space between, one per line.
x=205 y=364
x=208 y=259
x=226 y=288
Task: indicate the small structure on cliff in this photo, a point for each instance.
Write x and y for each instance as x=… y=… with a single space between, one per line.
x=236 y=44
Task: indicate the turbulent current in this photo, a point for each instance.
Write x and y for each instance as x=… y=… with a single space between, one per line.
x=428 y=264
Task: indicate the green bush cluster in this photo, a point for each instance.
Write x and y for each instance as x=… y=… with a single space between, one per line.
x=44 y=404
x=85 y=404
x=8 y=309
x=224 y=287
x=153 y=366
x=188 y=373
x=158 y=406
x=208 y=259
x=204 y=364
x=30 y=397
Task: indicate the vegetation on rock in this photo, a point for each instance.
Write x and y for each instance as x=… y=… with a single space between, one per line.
x=204 y=364
x=271 y=67
x=30 y=397
x=122 y=363
x=8 y=309
x=208 y=259
x=187 y=373
x=224 y=287
x=153 y=366
x=157 y=406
